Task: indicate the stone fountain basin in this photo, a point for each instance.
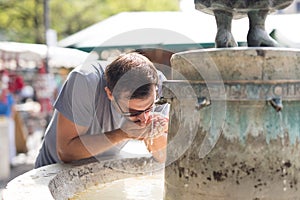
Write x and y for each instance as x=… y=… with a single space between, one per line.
x=239 y=146
x=62 y=181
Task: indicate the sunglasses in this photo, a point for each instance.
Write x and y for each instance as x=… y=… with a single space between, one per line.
x=134 y=113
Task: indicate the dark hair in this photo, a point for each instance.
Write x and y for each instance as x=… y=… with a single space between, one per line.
x=131 y=73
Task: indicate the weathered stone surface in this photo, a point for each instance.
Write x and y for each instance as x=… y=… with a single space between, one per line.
x=61 y=182
x=237 y=147
x=240 y=63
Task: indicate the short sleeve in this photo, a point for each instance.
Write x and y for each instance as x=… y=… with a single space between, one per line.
x=77 y=99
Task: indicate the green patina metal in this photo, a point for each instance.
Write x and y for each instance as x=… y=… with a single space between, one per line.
x=247 y=106
x=245 y=143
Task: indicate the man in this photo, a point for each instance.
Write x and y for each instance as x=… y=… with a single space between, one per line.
x=100 y=108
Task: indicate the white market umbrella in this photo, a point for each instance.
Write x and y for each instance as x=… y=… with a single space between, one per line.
x=36 y=53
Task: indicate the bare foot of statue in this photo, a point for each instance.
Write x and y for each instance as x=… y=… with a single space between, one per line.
x=256 y=10
x=224 y=37
x=257 y=35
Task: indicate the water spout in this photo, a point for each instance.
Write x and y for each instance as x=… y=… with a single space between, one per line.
x=276 y=103
x=202 y=102
x=161 y=101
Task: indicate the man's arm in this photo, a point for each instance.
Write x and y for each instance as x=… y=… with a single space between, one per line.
x=73 y=143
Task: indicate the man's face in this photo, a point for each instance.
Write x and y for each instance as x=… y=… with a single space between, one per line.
x=137 y=110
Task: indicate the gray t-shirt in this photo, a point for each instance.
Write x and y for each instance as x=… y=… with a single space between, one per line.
x=83 y=101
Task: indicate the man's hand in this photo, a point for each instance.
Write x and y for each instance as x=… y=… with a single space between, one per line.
x=157 y=139
x=153 y=132
x=159 y=125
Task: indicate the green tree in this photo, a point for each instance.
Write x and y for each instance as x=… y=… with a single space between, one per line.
x=23 y=21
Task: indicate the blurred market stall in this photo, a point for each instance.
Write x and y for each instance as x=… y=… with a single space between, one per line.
x=35 y=73
x=26 y=55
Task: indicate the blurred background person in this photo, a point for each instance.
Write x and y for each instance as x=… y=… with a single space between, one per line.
x=7 y=111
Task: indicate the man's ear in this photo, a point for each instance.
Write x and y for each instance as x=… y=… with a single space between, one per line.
x=109 y=93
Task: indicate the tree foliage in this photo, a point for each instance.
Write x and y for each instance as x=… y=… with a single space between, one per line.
x=23 y=20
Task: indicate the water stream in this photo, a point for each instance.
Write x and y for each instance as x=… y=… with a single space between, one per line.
x=283 y=143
